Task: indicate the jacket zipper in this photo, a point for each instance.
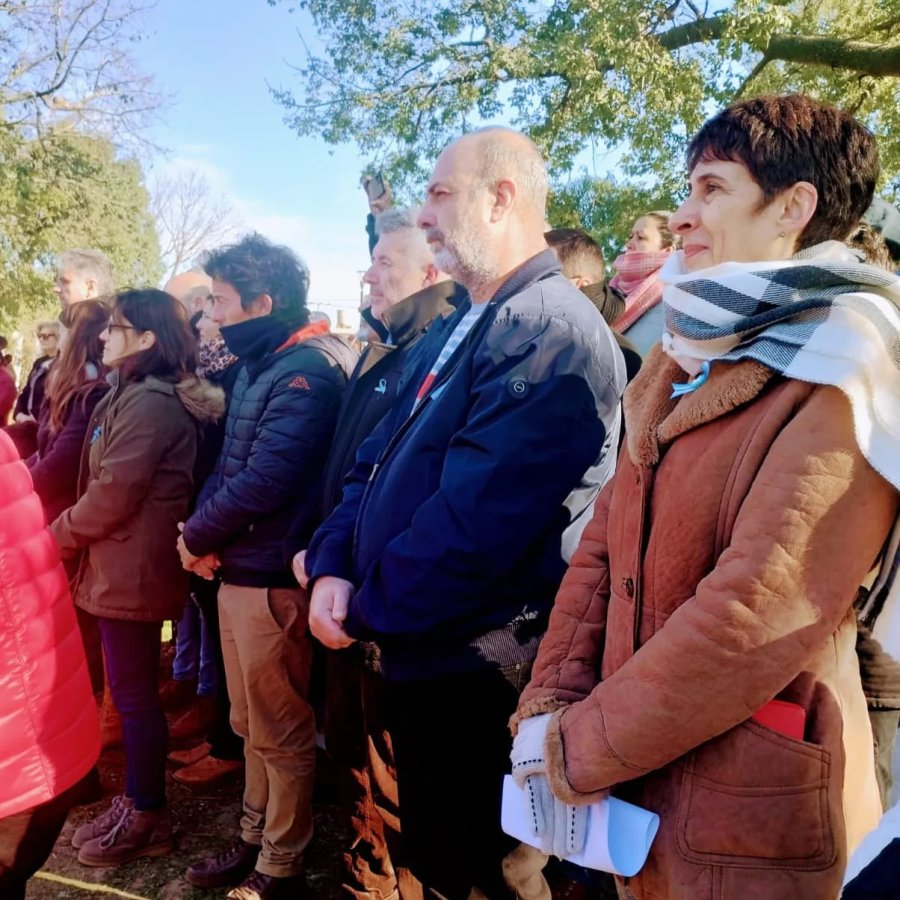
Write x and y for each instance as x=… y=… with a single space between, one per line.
x=445 y=376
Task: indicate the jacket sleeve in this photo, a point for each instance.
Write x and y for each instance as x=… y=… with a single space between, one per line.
x=808 y=531
x=139 y=435
x=578 y=617
x=284 y=461
x=57 y=472
x=330 y=551
x=541 y=404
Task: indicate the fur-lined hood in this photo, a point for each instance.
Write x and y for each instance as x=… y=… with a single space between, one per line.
x=201 y=398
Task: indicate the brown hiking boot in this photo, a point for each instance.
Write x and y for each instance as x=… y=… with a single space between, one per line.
x=110 y=722
x=228 y=867
x=193 y=721
x=137 y=833
x=189 y=757
x=207 y=771
x=177 y=696
x=99 y=826
x=268 y=887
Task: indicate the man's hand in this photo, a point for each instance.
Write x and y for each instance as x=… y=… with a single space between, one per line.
x=383 y=203
x=298 y=566
x=204 y=566
x=327 y=611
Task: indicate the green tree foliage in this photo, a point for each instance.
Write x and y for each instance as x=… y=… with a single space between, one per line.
x=400 y=78
x=63 y=191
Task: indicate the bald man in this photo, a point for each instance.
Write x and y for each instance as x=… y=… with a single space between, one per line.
x=445 y=551
x=192 y=288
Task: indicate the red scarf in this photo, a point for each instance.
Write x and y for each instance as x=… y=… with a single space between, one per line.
x=304 y=334
x=638 y=279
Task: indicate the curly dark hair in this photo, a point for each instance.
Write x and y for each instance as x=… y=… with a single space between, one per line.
x=783 y=140
x=255 y=266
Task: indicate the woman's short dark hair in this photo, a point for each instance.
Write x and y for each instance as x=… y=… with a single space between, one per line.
x=174 y=352
x=255 y=266
x=783 y=140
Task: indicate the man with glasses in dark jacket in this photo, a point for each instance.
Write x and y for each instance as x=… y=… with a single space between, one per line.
x=445 y=550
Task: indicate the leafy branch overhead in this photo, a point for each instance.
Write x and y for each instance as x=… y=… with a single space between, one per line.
x=400 y=78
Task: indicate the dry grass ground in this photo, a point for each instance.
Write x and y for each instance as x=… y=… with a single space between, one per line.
x=206 y=821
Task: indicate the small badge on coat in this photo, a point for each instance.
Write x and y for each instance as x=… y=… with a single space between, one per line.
x=300 y=382
x=518 y=387
x=95 y=434
x=382 y=386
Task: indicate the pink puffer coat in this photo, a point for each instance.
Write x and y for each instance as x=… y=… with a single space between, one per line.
x=49 y=737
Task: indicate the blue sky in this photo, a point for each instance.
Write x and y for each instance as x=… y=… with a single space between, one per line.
x=215 y=57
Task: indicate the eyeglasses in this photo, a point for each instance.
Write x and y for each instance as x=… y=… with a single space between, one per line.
x=45 y=337
x=112 y=326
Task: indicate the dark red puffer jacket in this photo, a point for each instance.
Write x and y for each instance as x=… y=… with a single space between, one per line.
x=49 y=737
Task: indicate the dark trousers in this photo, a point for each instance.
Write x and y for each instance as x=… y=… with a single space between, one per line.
x=224 y=742
x=358 y=740
x=451 y=748
x=26 y=840
x=132 y=667
x=93 y=650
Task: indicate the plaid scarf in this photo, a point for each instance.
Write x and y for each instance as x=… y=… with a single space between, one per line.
x=637 y=278
x=822 y=317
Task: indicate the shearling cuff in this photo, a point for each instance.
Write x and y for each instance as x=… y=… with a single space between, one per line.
x=555 y=757
x=536 y=707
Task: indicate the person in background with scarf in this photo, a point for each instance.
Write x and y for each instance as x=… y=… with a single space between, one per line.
x=700 y=659
x=222 y=751
x=637 y=279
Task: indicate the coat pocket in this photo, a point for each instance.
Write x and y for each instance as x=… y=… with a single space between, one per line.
x=756 y=798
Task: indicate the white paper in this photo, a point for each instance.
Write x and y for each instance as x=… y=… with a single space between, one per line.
x=619 y=834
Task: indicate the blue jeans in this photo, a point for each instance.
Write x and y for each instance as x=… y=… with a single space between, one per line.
x=132 y=668
x=194 y=654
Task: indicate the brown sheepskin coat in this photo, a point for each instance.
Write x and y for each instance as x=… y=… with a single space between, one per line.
x=717 y=574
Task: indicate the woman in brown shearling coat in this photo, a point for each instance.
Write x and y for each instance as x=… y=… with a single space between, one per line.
x=722 y=562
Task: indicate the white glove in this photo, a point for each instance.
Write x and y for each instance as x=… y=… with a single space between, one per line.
x=560 y=828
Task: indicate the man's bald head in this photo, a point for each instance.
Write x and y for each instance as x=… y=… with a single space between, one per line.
x=191 y=288
x=486 y=204
x=503 y=153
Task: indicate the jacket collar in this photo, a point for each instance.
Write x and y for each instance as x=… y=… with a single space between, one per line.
x=407 y=319
x=653 y=420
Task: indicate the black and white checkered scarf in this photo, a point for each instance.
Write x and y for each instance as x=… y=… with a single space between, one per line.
x=822 y=317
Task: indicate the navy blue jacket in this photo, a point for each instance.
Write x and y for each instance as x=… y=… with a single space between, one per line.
x=451 y=520
x=278 y=430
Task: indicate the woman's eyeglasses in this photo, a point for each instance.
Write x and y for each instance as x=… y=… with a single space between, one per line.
x=45 y=337
x=112 y=326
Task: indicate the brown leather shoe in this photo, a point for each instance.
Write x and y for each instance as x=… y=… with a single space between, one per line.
x=207 y=771
x=136 y=834
x=189 y=757
x=229 y=867
x=268 y=887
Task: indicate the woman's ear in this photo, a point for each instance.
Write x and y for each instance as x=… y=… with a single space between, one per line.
x=798 y=206
x=146 y=340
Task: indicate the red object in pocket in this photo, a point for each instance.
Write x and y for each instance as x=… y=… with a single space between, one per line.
x=784 y=717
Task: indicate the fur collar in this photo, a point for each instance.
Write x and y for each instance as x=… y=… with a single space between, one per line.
x=653 y=419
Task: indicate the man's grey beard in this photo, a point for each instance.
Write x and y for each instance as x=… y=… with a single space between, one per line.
x=467 y=261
